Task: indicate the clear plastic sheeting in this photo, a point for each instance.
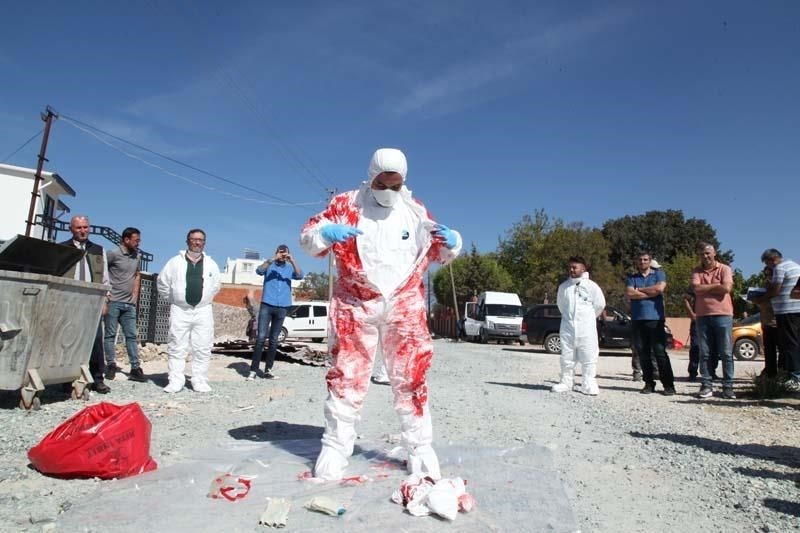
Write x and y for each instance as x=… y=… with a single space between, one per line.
x=515 y=489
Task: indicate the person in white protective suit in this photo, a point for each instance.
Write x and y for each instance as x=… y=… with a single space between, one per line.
x=189 y=282
x=383 y=241
x=580 y=301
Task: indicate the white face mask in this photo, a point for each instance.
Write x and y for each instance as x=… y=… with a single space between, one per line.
x=385 y=197
x=193 y=255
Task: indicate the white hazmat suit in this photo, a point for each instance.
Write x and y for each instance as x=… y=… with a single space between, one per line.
x=189 y=326
x=378 y=302
x=580 y=301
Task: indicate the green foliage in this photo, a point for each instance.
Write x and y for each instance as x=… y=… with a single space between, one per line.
x=536 y=250
x=663 y=233
x=679 y=276
x=314 y=286
x=473 y=274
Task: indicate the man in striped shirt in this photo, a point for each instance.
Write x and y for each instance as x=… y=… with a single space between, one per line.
x=787 y=310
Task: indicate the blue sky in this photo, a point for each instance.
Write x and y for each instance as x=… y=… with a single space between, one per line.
x=590 y=110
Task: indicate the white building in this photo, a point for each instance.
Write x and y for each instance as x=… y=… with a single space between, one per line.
x=15 y=200
x=242 y=271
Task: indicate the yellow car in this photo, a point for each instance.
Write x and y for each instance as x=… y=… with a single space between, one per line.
x=747 y=343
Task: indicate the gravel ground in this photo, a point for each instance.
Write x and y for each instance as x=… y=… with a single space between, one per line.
x=630 y=462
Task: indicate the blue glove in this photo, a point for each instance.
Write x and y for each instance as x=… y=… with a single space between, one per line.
x=334 y=233
x=446 y=235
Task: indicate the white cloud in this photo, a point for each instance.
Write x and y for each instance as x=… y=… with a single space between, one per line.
x=478 y=78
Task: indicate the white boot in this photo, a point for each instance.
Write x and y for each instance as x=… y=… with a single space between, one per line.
x=422 y=460
x=565 y=385
x=330 y=464
x=589 y=385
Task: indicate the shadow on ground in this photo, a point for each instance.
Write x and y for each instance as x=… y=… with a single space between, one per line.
x=528 y=386
x=276 y=430
x=784 y=455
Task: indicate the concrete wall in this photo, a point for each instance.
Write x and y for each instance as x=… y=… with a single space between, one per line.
x=680 y=329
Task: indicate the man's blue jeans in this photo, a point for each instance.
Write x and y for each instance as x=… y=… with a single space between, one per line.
x=270 y=318
x=714 y=333
x=123 y=314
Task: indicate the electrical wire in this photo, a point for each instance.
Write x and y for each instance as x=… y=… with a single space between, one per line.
x=12 y=154
x=87 y=128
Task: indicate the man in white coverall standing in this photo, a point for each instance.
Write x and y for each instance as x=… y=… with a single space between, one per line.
x=189 y=282
x=383 y=240
x=580 y=301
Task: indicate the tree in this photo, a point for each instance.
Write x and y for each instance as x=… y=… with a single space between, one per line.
x=679 y=277
x=472 y=274
x=314 y=286
x=662 y=233
x=536 y=250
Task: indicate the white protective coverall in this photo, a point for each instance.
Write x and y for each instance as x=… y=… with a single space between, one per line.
x=580 y=301
x=189 y=326
x=378 y=301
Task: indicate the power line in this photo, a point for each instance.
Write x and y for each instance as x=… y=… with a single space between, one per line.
x=12 y=154
x=89 y=129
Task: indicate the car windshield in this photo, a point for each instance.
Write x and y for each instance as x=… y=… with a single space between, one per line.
x=504 y=310
x=752 y=319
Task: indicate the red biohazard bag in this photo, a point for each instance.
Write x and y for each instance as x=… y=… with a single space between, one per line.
x=103 y=440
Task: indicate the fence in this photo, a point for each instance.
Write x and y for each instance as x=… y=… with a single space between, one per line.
x=152 y=313
x=443 y=322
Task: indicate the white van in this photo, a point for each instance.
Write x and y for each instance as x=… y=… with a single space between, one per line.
x=306 y=320
x=496 y=315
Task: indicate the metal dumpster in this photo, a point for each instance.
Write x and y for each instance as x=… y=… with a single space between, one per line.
x=47 y=323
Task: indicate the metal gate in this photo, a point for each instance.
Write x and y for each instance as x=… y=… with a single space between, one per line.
x=152 y=314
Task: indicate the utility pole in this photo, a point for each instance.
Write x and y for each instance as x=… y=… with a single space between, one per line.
x=47 y=117
x=331 y=192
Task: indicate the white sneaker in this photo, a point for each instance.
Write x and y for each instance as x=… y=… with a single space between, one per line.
x=172 y=388
x=561 y=387
x=201 y=386
x=792 y=385
x=251 y=376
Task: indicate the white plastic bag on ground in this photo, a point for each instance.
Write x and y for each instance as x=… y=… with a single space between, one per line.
x=422 y=496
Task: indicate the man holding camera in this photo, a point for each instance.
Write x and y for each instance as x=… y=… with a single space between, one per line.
x=276 y=299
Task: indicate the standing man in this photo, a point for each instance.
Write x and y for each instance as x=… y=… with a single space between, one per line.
x=276 y=299
x=712 y=283
x=581 y=302
x=383 y=240
x=123 y=273
x=645 y=290
x=92 y=267
x=189 y=282
x=785 y=277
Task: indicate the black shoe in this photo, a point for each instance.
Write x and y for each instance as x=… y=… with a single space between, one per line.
x=136 y=374
x=377 y=381
x=728 y=394
x=705 y=392
x=101 y=388
x=669 y=391
x=111 y=371
x=692 y=378
x=648 y=389
x=637 y=377
x=269 y=375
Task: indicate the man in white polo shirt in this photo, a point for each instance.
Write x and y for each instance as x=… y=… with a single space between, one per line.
x=785 y=276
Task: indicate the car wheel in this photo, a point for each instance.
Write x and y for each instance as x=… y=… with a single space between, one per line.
x=282 y=335
x=745 y=349
x=522 y=343
x=484 y=338
x=552 y=343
